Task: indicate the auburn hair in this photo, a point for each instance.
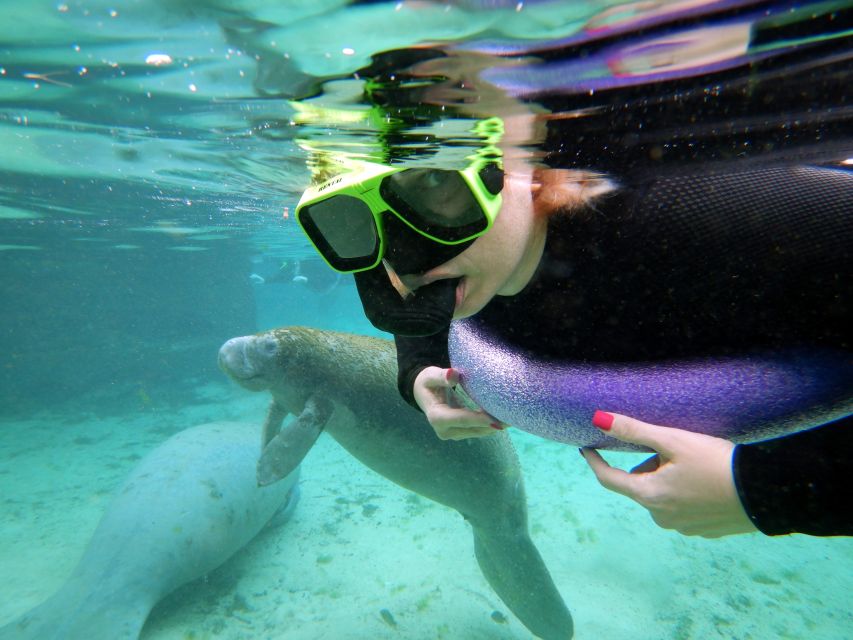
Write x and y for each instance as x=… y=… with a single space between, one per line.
x=562 y=191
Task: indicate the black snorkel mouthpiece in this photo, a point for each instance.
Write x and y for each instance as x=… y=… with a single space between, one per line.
x=425 y=313
x=431 y=308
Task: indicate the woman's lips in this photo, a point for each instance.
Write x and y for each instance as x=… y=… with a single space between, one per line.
x=460 y=297
x=415 y=281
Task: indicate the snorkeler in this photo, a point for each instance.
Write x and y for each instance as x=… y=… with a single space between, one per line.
x=312 y=274
x=575 y=265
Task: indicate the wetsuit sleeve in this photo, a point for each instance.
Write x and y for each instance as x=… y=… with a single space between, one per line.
x=416 y=354
x=799 y=483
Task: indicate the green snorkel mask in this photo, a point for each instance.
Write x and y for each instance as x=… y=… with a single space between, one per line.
x=416 y=218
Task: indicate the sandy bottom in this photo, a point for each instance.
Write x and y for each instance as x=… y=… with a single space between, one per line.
x=362 y=558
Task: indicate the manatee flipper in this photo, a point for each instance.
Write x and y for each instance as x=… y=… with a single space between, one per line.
x=285 y=451
x=272 y=425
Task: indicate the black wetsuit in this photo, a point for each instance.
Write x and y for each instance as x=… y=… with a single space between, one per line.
x=711 y=264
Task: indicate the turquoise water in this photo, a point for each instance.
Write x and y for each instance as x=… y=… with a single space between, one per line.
x=152 y=155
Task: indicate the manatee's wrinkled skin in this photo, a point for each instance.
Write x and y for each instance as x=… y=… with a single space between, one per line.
x=743 y=399
x=480 y=478
x=187 y=507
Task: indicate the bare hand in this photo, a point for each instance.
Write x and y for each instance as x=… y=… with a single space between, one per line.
x=688 y=486
x=435 y=396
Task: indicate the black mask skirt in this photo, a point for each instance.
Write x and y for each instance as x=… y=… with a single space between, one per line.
x=430 y=309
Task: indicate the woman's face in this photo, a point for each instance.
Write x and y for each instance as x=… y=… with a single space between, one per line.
x=502 y=261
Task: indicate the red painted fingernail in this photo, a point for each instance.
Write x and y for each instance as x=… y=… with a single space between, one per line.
x=448 y=374
x=602 y=420
x=495 y=425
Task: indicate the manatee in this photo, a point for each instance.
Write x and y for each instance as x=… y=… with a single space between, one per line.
x=187 y=507
x=481 y=478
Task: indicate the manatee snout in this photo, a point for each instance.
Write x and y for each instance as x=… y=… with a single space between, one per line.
x=246 y=359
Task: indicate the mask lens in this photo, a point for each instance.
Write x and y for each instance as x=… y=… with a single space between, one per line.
x=343 y=230
x=435 y=201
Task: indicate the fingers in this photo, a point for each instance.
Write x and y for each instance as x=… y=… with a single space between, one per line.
x=431 y=386
x=450 y=421
x=636 y=484
x=687 y=487
x=662 y=439
x=610 y=477
x=457 y=424
x=436 y=379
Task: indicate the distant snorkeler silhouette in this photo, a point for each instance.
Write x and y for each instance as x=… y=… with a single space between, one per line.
x=313 y=274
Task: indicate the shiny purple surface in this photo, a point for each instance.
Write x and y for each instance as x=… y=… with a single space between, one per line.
x=746 y=398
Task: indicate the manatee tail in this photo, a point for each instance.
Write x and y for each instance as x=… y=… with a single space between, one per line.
x=75 y=613
x=517 y=573
x=511 y=563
